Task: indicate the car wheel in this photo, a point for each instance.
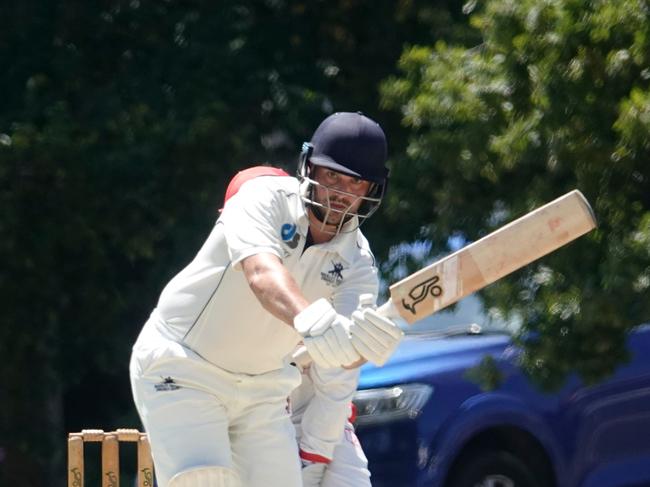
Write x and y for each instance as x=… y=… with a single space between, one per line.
x=494 y=469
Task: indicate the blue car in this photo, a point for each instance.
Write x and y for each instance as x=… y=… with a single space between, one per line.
x=422 y=422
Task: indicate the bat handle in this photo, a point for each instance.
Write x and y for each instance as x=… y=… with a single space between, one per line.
x=388 y=310
x=302 y=359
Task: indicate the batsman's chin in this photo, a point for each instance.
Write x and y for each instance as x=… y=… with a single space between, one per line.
x=388 y=404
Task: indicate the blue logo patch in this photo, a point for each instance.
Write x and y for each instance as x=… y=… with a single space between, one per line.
x=288 y=231
x=289 y=235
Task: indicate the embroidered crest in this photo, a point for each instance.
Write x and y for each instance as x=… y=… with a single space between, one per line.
x=334 y=276
x=167 y=384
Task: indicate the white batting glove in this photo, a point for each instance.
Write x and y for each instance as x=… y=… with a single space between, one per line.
x=374 y=336
x=326 y=335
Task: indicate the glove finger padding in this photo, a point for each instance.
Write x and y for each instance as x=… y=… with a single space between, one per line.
x=366 y=352
x=328 y=351
x=384 y=324
x=334 y=346
x=348 y=353
x=374 y=336
x=365 y=332
x=320 y=351
x=326 y=335
x=367 y=346
x=315 y=318
x=337 y=346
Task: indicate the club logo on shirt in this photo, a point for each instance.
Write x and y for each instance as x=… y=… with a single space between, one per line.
x=333 y=277
x=289 y=235
x=167 y=384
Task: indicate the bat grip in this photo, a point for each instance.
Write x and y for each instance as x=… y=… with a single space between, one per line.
x=388 y=310
x=301 y=356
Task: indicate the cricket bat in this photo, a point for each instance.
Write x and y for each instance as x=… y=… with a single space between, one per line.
x=487 y=260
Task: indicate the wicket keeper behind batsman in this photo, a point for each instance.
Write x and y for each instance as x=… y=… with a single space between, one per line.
x=285 y=263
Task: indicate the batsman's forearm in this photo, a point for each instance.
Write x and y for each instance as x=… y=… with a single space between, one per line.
x=274 y=287
x=388 y=309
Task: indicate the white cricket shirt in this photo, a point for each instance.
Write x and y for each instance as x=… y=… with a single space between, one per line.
x=209 y=306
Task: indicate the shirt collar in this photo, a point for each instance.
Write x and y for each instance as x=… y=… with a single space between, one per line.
x=344 y=244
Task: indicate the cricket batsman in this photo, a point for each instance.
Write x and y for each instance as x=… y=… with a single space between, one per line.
x=284 y=264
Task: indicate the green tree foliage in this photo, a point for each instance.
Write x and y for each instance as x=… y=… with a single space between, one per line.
x=555 y=97
x=120 y=123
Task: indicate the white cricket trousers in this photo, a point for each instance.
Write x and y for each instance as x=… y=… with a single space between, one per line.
x=197 y=414
x=349 y=467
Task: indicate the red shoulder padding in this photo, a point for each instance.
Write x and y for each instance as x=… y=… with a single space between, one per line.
x=252 y=172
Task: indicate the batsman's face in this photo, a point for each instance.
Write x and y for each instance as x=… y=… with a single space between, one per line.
x=340 y=193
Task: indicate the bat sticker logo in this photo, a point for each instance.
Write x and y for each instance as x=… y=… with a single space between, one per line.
x=76 y=477
x=148 y=477
x=421 y=291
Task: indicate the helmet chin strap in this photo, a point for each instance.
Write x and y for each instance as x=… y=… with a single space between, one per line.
x=321 y=216
x=322 y=211
x=316 y=210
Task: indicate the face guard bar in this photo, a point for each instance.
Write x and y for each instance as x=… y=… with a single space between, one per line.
x=349 y=221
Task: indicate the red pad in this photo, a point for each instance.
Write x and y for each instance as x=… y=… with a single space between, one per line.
x=313 y=457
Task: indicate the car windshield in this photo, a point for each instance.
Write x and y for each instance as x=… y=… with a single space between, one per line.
x=468 y=317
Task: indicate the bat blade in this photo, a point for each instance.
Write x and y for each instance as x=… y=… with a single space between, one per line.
x=494 y=256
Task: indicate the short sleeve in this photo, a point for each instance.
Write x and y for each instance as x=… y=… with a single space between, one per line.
x=252 y=221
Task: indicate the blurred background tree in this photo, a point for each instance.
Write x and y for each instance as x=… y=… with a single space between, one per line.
x=555 y=97
x=120 y=123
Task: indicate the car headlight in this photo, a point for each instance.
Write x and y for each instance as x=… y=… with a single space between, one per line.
x=391 y=403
